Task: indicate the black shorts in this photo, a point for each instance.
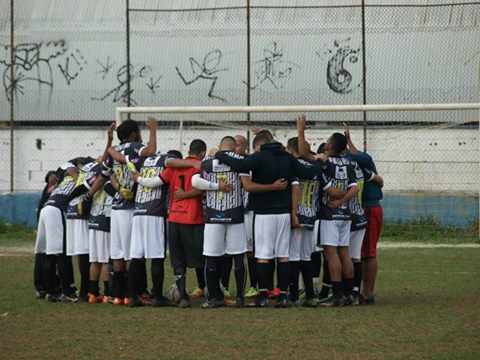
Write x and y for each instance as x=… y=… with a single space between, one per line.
x=186 y=245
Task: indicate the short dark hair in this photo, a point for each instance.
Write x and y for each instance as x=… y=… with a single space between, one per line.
x=339 y=142
x=230 y=140
x=267 y=133
x=261 y=139
x=126 y=129
x=321 y=148
x=197 y=146
x=175 y=153
x=292 y=143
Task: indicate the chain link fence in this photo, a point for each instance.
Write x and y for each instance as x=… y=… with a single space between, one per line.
x=74 y=62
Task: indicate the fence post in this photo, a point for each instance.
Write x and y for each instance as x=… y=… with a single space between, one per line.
x=248 y=71
x=127 y=20
x=364 y=57
x=12 y=86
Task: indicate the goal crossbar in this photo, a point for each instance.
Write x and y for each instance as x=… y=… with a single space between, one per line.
x=291 y=109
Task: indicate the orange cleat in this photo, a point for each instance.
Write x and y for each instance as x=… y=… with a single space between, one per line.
x=118 y=301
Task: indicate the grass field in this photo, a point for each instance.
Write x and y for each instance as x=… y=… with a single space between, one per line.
x=427 y=307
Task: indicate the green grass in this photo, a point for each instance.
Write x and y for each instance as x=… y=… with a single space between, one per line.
x=427 y=308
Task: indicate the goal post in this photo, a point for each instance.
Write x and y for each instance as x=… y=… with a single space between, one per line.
x=428 y=154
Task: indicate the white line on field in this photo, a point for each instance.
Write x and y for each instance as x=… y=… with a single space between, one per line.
x=403 y=245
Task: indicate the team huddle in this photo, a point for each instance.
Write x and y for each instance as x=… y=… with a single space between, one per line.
x=282 y=208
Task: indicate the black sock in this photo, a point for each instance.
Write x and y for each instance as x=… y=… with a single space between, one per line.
x=316 y=264
x=38 y=276
x=93 y=287
x=263 y=275
x=142 y=278
x=347 y=285
x=181 y=281
x=158 y=275
x=226 y=268
x=135 y=277
x=326 y=282
x=49 y=273
x=212 y=277
x=357 y=277
x=119 y=283
x=337 y=289
x=306 y=267
x=252 y=271
x=293 y=286
x=106 y=288
x=283 y=277
x=84 y=268
x=200 y=277
x=240 y=274
x=271 y=274
x=65 y=272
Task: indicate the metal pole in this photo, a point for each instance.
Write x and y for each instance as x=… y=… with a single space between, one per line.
x=127 y=2
x=12 y=86
x=248 y=70
x=364 y=57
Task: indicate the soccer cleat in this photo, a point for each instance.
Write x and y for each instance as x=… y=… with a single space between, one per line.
x=369 y=301
x=349 y=300
x=40 y=295
x=73 y=298
x=52 y=298
x=273 y=294
x=251 y=293
x=197 y=292
x=356 y=298
x=162 y=302
x=125 y=301
x=212 y=304
x=259 y=303
x=92 y=299
x=118 y=301
x=309 y=303
x=145 y=299
x=184 y=303
x=334 y=302
x=322 y=300
x=107 y=299
x=227 y=294
x=281 y=304
x=135 y=302
x=239 y=303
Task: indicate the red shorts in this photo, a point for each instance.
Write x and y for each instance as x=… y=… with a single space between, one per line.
x=372 y=234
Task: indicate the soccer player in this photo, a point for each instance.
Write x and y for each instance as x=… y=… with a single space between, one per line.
x=371 y=196
x=149 y=227
x=335 y=215
x=272 y=210
x=130 y=150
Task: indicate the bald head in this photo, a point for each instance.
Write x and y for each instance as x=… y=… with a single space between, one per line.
x=242 y=145
x=228 y=143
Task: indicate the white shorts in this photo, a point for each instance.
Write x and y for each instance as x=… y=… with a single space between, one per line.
x=77 y=237
x=50 y=232
x=301 y=245
x=272 y=235
x=248 y=219
x=316 y=236
x=148 y=237
x=99 y=246
x=335 y=232
x=221 y=239
x=356 y=241
x=120 y=234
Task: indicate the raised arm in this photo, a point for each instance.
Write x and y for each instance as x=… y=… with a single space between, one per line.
x=151 y=148
x=351 y=147
x=303 y=150
x=110 y=130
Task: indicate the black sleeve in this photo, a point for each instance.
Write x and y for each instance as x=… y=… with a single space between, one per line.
x=109 y=189
x=79 y=190
x=306 y=172
x=239 y=165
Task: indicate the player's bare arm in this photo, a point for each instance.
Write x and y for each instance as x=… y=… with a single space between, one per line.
x=295 y=202
x=250 y=186
x=301 y=121
x=117 y=156
x=352 y=190
x=151 y=148
x=181 y=194
x=335 y=193
x=350 y=145
x=182 y=164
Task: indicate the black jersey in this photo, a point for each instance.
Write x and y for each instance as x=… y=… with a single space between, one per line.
x=152 y=201
x=131 y=151
x=359 y=219
x=86 y=176
x=310 y=191
x=100 y=212
x=342 y=174
x=59 y=197
x=223 y=207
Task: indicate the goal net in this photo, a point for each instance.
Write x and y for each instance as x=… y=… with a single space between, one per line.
x=428 y=154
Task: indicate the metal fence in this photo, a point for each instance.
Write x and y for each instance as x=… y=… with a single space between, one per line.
x=66 y=65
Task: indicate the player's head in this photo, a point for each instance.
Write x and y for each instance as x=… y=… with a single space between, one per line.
x=321 y=148
x=177 y=154
x=292 y=146
x=259 y=140
x=242 y=145
x=336 y=143
x=228 y=143
x=129 y=131
x=197 y=149
x=267 y=133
